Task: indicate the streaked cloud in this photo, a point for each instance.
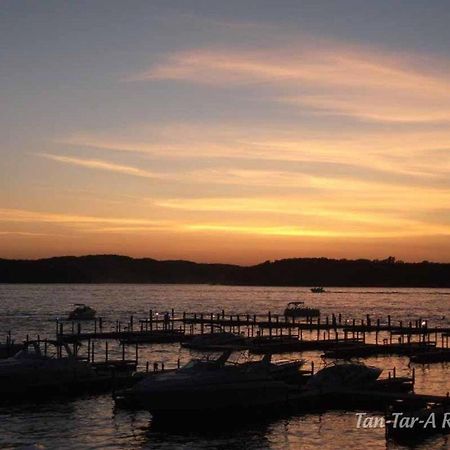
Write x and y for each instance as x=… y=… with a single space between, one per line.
x=22 y=233
x=352 y=224
x=19 y=215
x=100 y=165
x=336 y=79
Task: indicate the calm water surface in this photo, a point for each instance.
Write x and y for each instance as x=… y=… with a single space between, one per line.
x=92 y=422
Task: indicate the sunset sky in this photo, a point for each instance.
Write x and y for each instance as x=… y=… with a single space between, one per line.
x=225 y=131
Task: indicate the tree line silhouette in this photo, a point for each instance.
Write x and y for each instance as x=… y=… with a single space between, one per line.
x=284 y=272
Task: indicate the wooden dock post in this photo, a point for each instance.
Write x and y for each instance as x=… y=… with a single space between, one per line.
x=318 y=328
x=269 y=316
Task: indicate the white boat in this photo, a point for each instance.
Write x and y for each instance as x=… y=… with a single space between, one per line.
x=82 y=312
x=297 y=309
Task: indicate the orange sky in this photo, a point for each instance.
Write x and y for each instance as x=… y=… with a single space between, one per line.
x=222 y=139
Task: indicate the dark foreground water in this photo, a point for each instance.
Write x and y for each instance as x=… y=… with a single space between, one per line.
x=92 y=422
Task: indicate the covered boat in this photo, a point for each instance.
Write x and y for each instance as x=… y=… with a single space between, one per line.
x=344 y=375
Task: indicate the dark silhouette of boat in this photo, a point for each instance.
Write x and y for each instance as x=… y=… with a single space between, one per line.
x=344 y=374
x=42 y=366
x=82 y=312
x=317 y=290
x=409 y=423
x=213 y=386
x=215 y=341
x=297 y=309
x=9 y=348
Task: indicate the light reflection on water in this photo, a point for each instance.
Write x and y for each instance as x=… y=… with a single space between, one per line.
x=92 y=422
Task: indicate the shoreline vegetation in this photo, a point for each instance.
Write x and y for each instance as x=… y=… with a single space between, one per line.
x=285 y=272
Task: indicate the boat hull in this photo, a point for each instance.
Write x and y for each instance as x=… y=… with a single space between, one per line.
x=210 y=399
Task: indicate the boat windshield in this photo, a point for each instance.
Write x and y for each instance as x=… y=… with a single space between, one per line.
x=212 y=359
x=28 y=353
x=294 y=305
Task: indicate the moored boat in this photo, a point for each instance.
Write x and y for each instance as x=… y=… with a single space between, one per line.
x=211 y=386
x=344 y=375
x=215 y=341
x=42 y=366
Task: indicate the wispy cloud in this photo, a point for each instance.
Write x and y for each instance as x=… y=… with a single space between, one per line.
x=20 y=215
x=363 y=83
x=22 y=233
x=384 y=214
x=348 y=225
x=301 y=231
x=297 y=157
x=100 y=165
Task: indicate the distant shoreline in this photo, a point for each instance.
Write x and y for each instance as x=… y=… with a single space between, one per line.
x=295 y=272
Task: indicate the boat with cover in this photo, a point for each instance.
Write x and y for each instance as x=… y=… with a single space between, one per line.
x=343 y=374
x=209 y=386
x=297 y=309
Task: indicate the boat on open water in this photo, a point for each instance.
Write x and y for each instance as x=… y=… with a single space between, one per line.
x=298 y=309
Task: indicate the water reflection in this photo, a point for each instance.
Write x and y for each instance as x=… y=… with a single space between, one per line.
x=93 y=423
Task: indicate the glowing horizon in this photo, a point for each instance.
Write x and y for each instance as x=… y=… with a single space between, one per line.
x=225 y=135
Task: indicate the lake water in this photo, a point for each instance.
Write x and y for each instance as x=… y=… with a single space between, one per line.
x=92 y=422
